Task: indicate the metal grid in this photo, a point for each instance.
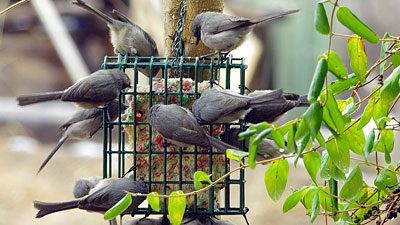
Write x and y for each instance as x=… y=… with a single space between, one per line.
x=114 y=146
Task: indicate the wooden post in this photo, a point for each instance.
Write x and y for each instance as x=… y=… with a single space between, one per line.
x=171 y=16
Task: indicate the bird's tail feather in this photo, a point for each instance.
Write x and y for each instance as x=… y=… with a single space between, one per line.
x=46 y=208
x=53 y=151
x=272 y=17
x=267 y=97
x=39 y=97
x=220 y=145
x=94 y=11
x=303 y=101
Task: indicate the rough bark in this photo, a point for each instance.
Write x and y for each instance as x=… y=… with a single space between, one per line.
x=194 y=7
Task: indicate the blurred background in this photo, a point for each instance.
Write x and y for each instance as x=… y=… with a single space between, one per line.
x=280 y=54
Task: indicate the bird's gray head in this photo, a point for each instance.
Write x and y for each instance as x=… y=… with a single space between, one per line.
x=196 y=27
x=123 y=78
x=82 y=188
x=112 y=108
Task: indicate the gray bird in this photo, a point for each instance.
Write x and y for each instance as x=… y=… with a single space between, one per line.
x=225 y=106
x=267 y=149
x=179 y=126
x=224 y=33
x=83 y=186
x=271 y=111
x=100 y=198
x=83 y=125
x=97 y=89
x=126 y=36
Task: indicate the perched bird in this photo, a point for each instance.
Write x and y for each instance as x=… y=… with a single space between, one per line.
x=83 y=125
x=225 y=106
x=83 y=186
x=224 y=33
x=126 y=36
x=100 y=198
x=273 y=110
x=179 y=126
x=97 y=89
x=267 y=149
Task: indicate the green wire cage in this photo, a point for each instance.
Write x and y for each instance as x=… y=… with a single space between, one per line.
x=163 y=166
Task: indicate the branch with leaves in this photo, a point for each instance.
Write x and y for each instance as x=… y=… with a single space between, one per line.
x=337 y=186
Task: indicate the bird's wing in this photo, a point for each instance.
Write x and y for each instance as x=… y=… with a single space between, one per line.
x=120 y=17
x=220 y=104
x=226 y=22
x=95 y=88
x=82 y=115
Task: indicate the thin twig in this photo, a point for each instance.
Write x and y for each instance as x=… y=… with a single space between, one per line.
x=13 y=6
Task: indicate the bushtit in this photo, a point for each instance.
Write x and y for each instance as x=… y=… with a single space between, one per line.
x=126 y=36
x=224 y=33
x=225 y=106
x=267 y=149
x=179 y=126
x=83 y=186
x=273 y=110
x=94 y=90
x=100 y=199
x=83 y=125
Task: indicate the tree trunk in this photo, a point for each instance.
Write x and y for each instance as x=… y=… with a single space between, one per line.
x=171 y=16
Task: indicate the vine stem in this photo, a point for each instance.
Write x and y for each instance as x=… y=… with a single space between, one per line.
x=356 y=36
x=13 y=6
x=330 y=46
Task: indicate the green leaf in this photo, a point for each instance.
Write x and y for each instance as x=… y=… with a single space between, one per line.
x=388 y=94
x=291 y=142
x=369 y=109
x=263 y=134
x=339 y=151
x=333 y=114
x=303 y=143
x=260 y=126
x=329 y=170
x=343 y=84
x=318 y=80
x=200 y=176
x=154 y=201
x=324 y=197
x=278 y=138
x=321 y=140
x=395 y=57
x=312 y=162
x=384 y=47
x=118 y=208
x=385 y=178
x=349 y=20
x=246 y=134
x=176 y=207
x=236 y=155
x=252 y=152
x=385 y=144
x=313 y=118
x=286 y=127
x=335 y=65
x=382 y=122
x=315 y=206
x=308 y=198
x=353 y=184
x=275 y=178
x=321 y=20
x=369 y=145
x=255 y=140
x=358 y=57
x=294 y=199
x=355 y=138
